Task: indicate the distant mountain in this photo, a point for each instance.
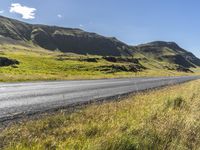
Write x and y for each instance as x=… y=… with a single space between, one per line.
x=63 y=39
x=169 y=52
x=80 y=42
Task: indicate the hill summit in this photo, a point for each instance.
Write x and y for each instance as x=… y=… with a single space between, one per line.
x=168 y=51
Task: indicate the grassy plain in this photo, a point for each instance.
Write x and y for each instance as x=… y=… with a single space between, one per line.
x=40 y=64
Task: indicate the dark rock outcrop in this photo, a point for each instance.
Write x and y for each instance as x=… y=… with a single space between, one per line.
x=7 y=62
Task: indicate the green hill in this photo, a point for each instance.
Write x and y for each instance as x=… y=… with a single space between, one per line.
x=41 y=52
x=168 y=52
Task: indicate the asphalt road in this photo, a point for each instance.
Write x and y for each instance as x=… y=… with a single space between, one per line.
x=18 y=99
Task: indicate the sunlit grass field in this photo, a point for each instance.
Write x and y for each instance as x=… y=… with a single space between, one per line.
x=161 y=119
x=40 y=64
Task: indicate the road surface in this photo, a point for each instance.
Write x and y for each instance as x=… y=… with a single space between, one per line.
x=18 y=99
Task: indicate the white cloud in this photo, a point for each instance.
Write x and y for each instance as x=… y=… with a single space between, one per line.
x=59 y=16
x=80 y=25
x=26 y=12
x=1 y=11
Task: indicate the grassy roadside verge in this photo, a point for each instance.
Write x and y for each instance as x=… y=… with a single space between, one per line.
x=162 y=119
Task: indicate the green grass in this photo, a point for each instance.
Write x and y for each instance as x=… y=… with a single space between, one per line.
x=161 y=119
x=39 y=64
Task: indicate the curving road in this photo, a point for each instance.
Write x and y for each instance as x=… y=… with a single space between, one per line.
x=18 y=99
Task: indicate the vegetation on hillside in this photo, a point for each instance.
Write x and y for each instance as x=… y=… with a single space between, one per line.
x=94 y=56
x=169 y=52
x=34 y=63
x=162 y=119
x=82 y=42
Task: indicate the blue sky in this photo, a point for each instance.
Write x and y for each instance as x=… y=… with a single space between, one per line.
x=132 y=21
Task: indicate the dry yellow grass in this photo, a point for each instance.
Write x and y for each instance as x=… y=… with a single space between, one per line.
x=168 y=118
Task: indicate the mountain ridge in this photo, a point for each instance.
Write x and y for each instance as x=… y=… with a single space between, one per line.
x=63 y=39
x=74 y=40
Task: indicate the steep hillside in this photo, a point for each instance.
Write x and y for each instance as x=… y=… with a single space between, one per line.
x=63 y=39
x=169 y=52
